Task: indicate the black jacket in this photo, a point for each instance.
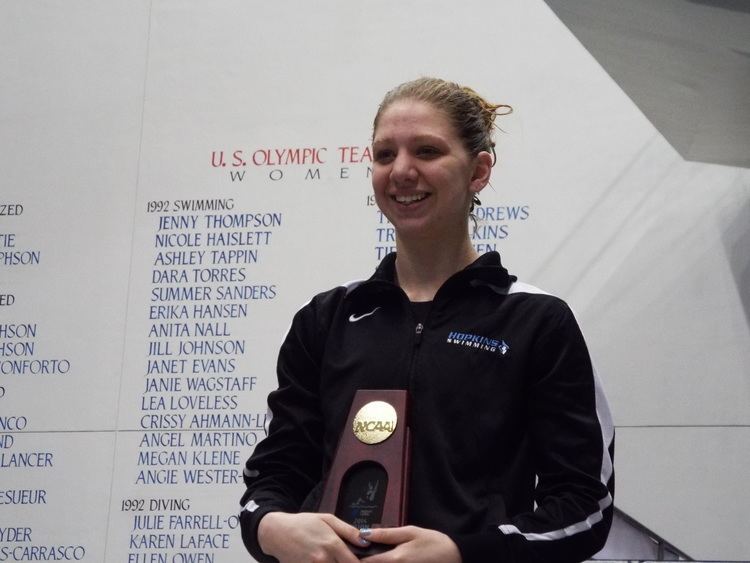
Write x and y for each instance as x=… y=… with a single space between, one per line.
x=512 y=440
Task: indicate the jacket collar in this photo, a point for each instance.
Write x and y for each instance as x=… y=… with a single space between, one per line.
x=486 y=270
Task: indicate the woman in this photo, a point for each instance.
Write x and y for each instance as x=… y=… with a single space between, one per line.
x=511 y=435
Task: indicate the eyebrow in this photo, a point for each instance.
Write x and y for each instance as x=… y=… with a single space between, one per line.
x=418 y=139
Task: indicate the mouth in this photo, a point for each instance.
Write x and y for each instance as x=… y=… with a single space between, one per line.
x=409 y=199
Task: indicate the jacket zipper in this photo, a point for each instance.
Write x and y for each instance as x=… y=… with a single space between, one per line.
x=418 y=332
x=410 y=381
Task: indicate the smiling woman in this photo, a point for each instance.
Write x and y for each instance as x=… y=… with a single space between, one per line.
x=511 y=436
x=423 y=178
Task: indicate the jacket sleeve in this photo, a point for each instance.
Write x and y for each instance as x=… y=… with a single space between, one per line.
x=286 y=465
x=572 y=445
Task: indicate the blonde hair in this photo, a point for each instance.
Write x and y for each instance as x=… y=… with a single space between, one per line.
x=471 y=115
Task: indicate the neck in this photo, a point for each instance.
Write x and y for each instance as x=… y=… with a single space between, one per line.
x=422 y=266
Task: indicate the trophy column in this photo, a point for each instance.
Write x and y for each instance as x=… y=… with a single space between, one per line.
x=368 y=481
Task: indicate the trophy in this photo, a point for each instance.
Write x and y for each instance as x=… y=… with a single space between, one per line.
x=368 y=480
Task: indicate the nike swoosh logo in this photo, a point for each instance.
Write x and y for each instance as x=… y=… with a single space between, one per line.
x=355 y=318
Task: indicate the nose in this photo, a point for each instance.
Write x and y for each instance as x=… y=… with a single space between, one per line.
x=403 y=172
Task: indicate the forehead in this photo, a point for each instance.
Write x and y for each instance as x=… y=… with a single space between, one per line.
x=408 y=117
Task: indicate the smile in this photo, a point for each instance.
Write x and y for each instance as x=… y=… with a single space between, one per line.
x=409 y=199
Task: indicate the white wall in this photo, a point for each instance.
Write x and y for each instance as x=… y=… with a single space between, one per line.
x=106 y=107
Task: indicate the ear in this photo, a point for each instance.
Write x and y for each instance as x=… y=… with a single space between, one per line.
x=482 y=171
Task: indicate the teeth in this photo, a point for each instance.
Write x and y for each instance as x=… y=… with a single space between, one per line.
x=407 y=199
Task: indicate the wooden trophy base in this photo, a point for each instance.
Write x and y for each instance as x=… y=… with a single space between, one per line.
x=367 y=485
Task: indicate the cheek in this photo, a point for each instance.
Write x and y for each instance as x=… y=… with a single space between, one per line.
x=379 y=180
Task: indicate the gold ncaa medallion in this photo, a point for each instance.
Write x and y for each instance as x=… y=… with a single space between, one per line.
x=375 y=422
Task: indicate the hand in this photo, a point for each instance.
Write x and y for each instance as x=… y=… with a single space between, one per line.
x=413 y=545
x=307 y=538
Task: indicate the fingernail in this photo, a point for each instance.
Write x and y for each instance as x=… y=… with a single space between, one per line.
x=363 y=533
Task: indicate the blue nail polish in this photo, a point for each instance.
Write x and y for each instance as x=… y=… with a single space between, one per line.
x=363 y=541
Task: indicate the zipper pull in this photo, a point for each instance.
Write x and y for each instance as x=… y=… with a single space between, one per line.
x=418 y=331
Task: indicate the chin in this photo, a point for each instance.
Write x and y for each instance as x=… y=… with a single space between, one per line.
x=415 y=230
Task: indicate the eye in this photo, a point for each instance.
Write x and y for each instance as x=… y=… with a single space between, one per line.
x=384 y=156
x=428 y=151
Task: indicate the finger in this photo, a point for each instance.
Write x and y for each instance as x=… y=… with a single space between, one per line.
x=343 y=554
x=345 y=531
x=389 y=536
